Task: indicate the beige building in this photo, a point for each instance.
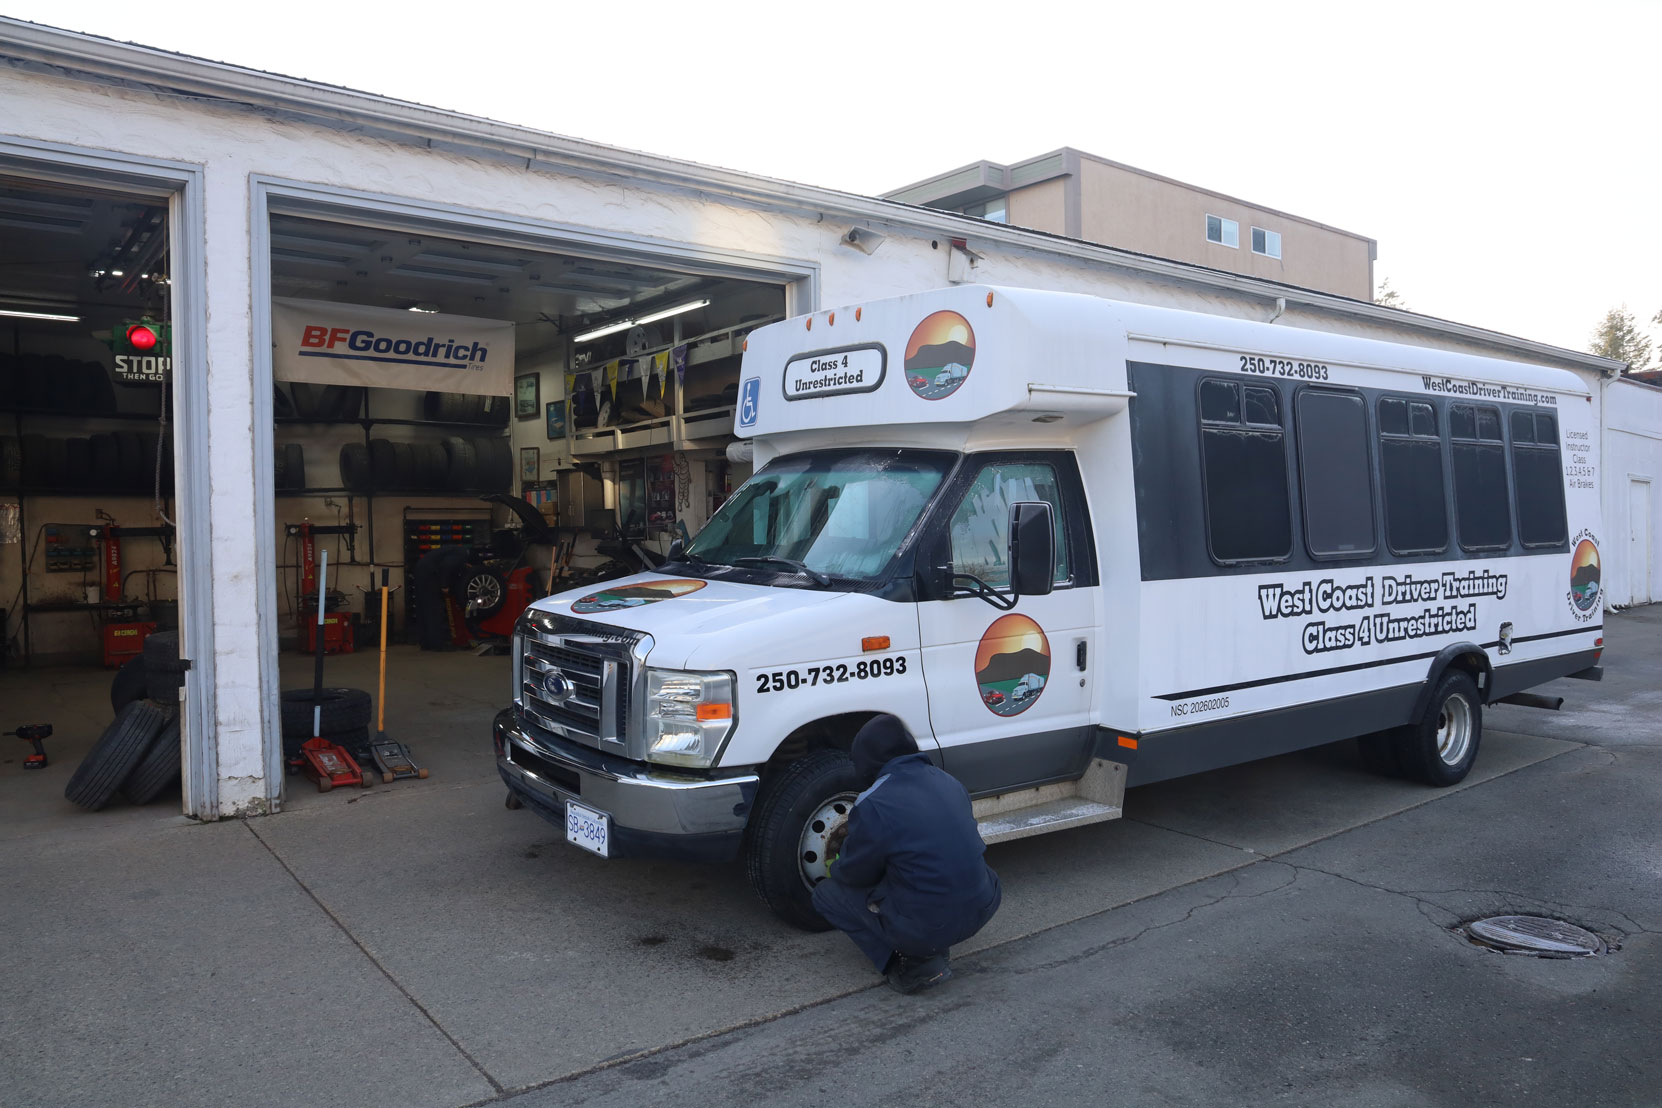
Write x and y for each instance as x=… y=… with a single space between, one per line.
x=1079 y=195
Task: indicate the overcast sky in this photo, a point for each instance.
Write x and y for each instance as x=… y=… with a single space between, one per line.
x=1504 y=155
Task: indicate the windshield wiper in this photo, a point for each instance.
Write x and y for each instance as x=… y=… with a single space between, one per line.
x=814 y=575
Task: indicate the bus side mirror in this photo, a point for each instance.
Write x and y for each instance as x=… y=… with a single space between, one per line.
x=1032 y=549
x=676 y=549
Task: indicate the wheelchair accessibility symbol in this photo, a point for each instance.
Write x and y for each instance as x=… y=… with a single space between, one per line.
x=750 y=397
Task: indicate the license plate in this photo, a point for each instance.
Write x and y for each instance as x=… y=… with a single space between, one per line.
x=588 y=828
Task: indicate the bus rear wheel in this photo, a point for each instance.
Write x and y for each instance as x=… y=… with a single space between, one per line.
x=1440 y=747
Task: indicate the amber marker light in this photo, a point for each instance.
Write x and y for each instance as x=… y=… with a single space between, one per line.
x=874 y=642
x=745 y=345
x=708 y=712
x=1128 y=743
x=831 y=320
x=989 y=300
x=856 y=315
x=810 y=323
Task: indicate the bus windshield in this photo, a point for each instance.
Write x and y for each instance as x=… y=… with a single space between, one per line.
x=836 y=513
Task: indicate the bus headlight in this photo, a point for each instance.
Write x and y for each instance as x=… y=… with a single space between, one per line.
x=688 y=716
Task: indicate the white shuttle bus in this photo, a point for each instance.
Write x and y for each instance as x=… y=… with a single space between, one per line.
x=1075 y=545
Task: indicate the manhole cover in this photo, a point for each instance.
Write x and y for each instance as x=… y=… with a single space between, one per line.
x=1537 y=935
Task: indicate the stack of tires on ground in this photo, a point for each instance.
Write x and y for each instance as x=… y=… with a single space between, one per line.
x=138 y=755
x=344 y=721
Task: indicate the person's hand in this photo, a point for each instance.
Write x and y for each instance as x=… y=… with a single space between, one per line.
x=834 y=841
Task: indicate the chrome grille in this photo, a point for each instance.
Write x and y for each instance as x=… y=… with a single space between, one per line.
x=576 y=679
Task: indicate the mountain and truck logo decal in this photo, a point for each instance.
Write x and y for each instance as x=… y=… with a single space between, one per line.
x=1012 y=664
x=1585 y=576
x=939 y=355
x=634 y=596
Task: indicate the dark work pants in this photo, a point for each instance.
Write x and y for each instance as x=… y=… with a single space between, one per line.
x=878 y=936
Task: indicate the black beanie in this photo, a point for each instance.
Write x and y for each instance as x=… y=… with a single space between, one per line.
x=883 y=739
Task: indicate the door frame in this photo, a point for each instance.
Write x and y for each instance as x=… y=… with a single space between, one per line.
x=181 y=185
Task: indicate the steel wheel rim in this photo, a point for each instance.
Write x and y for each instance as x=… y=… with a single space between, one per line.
x=1454 y=730
x=810 y=847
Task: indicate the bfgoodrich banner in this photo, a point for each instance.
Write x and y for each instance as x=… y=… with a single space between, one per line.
x=347 y=344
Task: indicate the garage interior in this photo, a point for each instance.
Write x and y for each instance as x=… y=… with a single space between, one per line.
x=87 y=518
x=608 y=444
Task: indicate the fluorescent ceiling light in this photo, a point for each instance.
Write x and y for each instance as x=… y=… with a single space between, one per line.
x=653 y=317
x=50 y=317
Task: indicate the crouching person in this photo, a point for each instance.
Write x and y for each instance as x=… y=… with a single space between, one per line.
x=908 y=880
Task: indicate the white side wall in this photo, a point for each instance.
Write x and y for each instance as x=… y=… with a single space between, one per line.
x=1632 y=490
x=237 y=144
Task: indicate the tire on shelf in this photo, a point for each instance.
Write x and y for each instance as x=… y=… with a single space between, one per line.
x=11 y=463
x=281 y=406
x=404 y=466
x=115 y=754
x=788 y=804
x=496 y=464
x=129 y=683
x=78 y=470
x=305 y=399
x=382 y=465
x=355 y=471
x=294 y=464
x=157 y=769
x=130 y=449
x=462 y=464
x=344 y=710
x=106 y=461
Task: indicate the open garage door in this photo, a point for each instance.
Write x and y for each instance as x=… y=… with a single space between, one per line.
x=477 y=420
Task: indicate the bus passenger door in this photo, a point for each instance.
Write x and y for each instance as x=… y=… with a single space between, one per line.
x=1010 y=691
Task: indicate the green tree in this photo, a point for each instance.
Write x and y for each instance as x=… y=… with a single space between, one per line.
x=1618 y=336
x=1388 y=297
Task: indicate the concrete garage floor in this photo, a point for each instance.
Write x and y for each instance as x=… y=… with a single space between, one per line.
x=1272 y=933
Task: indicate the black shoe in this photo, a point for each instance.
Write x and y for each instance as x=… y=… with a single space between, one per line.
x=911 y=974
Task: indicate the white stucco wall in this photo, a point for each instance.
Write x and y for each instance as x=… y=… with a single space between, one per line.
x=1632 y=472
x=237 y=144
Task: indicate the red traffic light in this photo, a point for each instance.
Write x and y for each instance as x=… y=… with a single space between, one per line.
x=141 y=337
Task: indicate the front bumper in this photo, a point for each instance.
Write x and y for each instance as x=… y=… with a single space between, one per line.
x=655 y=813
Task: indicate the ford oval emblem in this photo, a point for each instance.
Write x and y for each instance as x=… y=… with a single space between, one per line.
x=558 y=686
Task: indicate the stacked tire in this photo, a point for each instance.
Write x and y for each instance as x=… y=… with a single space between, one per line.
x=343 y=719
x=456 y=464
x=111 y=462
x=138 y=755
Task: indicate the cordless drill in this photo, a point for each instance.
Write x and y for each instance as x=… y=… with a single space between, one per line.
x=33 y=733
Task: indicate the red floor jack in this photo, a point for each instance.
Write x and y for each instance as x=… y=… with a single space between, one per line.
x=325 y=762
x=392 y=757
x=33 y=733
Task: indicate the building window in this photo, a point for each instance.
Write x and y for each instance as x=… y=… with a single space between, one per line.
x=1267 y=243
x=1244 y=463
x=1224 y=232
x=996 y=210
x=1539 y=479
x=1411 y=474
x=1482 y=514
x=1337 y=475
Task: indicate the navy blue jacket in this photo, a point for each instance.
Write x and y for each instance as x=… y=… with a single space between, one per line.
x=912 y=841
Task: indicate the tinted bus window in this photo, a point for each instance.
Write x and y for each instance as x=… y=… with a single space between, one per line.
x=1244 y=458
x=1538 y=479
x=1411 y=477
x=1335 y=474
x=1482 y=511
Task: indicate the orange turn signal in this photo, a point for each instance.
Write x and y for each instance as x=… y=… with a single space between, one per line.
x=1128 y=743
x=708 y=712
x=989 y=300
x=832 y=319
x=810 y=323
x=856 y=315
x=874 y=642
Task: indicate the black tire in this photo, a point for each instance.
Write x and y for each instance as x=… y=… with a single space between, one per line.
x=404 y=466
x=383 y=465
x=480 y=583
x=106 y=462
x=115 y=754
x=1441 y=746
x=134 y=473
x=164 y=673
x=355 y=471
x=496 y=464
x=158 y=769
x=462 y=465
x=305 y=397
x=11 y=464
x=437 y=465
x=294 y=465
x=78 y=469
x=129 y=684
x=777 y=826
x=281 y=406
x=343 y=710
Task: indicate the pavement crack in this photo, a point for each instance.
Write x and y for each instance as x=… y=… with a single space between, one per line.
x=374 y=961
